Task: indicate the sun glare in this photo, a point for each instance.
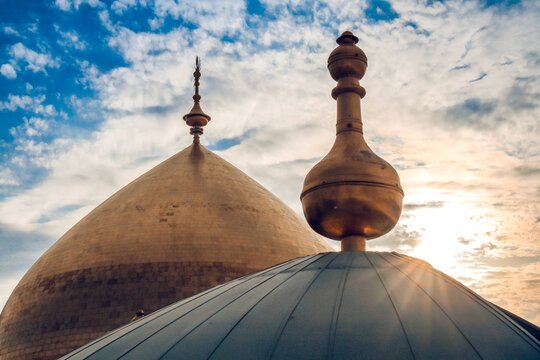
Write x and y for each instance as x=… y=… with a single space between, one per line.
x=450 y=230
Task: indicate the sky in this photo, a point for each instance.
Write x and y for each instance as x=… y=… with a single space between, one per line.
x=92 y=95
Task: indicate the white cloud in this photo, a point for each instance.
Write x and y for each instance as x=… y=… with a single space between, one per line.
x=68 y=5
x=156 y=23
x=7 y=177
x=119 y=6
x=135 y=47
x=63 y=4
x=28 y=103
x=31 y=127
x=8 y=71
x=216 y=17
x=34 y=149
x=105 y=19
x=34 y=61
x=23 y=102
x=10 y=31
x=35 y=126
x=71 y=39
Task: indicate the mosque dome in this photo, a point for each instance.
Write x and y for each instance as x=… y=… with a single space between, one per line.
x=355 y=304
x=346 y=305
x=192 y=222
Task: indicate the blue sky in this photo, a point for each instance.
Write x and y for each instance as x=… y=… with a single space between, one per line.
x=92 y=94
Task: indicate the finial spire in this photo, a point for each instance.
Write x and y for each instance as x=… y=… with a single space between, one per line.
x=197 y=76
x=351 y=195
x=196 y=118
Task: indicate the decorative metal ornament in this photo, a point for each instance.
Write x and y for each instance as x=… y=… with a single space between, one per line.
x=196 y=119
x=352 y=194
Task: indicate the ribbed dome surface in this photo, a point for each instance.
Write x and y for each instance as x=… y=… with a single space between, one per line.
x=327 y=306
x=192 y=222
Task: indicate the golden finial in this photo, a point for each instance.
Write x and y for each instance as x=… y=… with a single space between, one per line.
x=351 y=195
x=196 y=118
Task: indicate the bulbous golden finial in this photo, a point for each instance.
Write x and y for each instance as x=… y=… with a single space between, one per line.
x=351 y=195
x=196 y=118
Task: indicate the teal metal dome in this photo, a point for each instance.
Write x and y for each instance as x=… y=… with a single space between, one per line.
x=348 y=305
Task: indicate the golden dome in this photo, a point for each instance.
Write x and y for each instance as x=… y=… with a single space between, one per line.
x=190 y=223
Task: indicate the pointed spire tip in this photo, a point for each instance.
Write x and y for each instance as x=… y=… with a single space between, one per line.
x=196 y=119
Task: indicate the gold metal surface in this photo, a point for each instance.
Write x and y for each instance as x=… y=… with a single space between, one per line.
x=351 y=191
x=353 y=244
x=190 y=223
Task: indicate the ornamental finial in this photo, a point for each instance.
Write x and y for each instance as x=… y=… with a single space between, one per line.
x=351 y=195
x=196 y=118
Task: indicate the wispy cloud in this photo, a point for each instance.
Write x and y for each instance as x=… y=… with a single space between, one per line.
x=34 y=61
x=10 y=31
x=70 y=5
x=28 y=103
x=71 y=39
x=31 y=127
x=8 y=71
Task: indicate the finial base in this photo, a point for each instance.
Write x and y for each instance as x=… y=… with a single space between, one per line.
x=196 y=131
x=353 y=244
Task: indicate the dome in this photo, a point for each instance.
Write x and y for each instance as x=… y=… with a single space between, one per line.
x=192 y=222
x=348 y=305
